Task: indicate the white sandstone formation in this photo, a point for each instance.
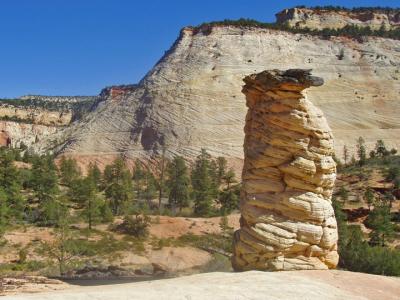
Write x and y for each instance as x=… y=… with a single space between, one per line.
x=288 y=222
x=191 y=99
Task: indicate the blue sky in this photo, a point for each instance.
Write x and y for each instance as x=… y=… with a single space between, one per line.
x=77 y=47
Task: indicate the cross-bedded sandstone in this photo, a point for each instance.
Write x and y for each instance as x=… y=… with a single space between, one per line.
x=287 y=222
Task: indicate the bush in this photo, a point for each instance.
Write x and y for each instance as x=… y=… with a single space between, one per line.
x=137 y=226
x=22 y=255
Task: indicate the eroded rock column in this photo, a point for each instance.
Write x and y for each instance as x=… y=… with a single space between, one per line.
x=287 y=222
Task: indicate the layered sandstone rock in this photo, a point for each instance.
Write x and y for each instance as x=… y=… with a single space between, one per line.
x=15 y=134
x=287 y=218
x=191 y=99
x=32 y=115
x=31 y=119
x=299 y=17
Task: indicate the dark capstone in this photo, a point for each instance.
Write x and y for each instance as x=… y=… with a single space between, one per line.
x=271 y=79
x=304 y=76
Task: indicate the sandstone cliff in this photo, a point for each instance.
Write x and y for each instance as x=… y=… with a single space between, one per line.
x=35 y=115
x=30 y=119
x=191 y=99
x=328 y=18
x=288 y=176
x=31 y=135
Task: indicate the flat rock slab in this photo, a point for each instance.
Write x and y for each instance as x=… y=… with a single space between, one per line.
x=246 y=285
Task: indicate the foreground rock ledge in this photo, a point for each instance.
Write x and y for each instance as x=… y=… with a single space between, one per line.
x=287 y=222
x=310 y=285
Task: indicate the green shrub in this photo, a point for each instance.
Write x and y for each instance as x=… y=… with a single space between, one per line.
x=137 y=226
x=22 y=255
x=352 y=31
x=355 y=254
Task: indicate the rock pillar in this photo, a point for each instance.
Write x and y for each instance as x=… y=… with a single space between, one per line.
x=287 y=221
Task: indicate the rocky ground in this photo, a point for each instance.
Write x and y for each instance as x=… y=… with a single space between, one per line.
x=308 y=285
x=29 y=284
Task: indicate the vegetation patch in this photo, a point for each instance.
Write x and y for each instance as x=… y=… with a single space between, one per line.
x=351 y=31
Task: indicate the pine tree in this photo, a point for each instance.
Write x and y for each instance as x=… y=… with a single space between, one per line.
x=138 y=179
x=78 y=191
x=379 y=220
x=150 y=187
x=44 y=183
x=69 y=170
x=344 y=194
x=361 y=151
x=161 y=180
x=4 y=212
x=221 y=163
x=388 y=199
x=63 y=248
x=95 y=174
x=215 y=183
x=11 y=185
x=229 y=200
x=229 y=178
x=345 y=154
x=119 y=187
x=369 y=197
x=44 y=178
x=202 y=184
x=372 y=154
x=393 y=173
x=178 y=182
x=229 y=197
x=380 y=148
x=93 y=203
